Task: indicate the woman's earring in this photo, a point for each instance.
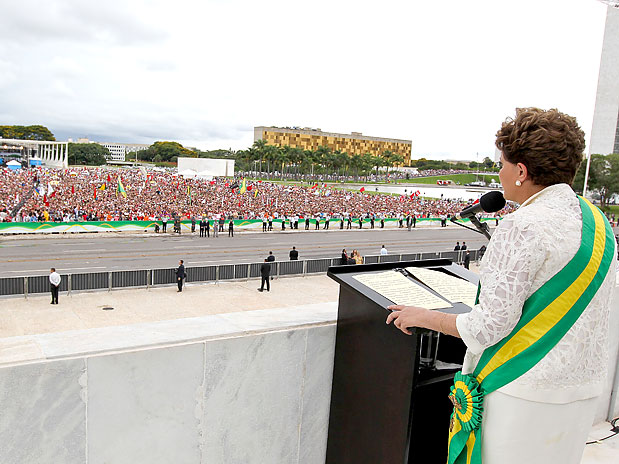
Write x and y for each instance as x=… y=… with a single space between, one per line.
x=518 y=183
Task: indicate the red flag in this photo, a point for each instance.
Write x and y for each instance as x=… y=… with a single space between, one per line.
x=95 y=193
x=314 y=186
x=362 y=189
x=249 y=187
x=212 y=182
x=109 y=179
x=73 y=189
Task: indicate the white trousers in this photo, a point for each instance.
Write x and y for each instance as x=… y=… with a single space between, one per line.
x=517 y=431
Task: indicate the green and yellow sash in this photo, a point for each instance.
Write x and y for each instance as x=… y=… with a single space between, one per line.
x=547 y=315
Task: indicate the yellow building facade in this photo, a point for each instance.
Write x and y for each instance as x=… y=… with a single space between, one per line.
x=353 y=144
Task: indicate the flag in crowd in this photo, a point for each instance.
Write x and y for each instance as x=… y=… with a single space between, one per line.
x=120 y=188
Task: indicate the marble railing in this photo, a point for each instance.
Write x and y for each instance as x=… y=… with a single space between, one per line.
x=250 y=387
x=245 y=387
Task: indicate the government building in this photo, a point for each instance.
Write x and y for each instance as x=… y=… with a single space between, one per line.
x=353 y=144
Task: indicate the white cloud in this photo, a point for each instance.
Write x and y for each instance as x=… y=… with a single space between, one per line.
x=443 y=75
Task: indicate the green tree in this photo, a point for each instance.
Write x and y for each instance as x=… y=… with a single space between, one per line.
x=367 y=163
x=167 y=151
x=321 y=157
x=487 y=162
x=603 y=176
x=26 y=133
x=89 y=154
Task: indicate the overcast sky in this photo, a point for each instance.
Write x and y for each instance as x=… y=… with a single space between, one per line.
x=442 y=74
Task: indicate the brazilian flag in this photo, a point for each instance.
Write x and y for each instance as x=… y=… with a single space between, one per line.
x=120 y=188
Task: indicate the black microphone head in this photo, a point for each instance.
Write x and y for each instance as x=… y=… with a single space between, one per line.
x=492 y=202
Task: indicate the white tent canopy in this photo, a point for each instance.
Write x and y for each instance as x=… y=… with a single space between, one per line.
x=188 y=173
x=207 y=175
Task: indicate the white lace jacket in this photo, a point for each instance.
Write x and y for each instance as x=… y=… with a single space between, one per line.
x=529 y=247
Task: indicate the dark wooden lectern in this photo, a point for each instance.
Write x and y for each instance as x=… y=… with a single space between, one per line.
x=388 y=406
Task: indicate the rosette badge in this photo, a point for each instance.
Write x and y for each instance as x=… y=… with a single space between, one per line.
x=468 y=400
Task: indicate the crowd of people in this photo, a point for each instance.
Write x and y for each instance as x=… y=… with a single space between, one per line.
x=104 y=194
x=391 y=176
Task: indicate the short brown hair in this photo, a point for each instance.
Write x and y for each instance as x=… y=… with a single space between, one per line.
x=549 y=143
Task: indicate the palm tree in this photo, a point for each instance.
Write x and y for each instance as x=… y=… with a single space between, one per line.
x=367 y=163
x=260 y=149
x=343 y=160
x=307 y=161
x=271 y=153
x=378 y=162
x=284 y=157
x=322 y=154
x=396 y=160
x=387 y=156
x=356 y=162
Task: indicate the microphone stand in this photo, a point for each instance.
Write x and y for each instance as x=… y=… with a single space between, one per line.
x=481 y=228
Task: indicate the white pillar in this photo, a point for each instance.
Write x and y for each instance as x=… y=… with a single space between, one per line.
x=65 y=159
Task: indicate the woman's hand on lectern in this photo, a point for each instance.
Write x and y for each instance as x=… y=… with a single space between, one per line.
x=404 y=317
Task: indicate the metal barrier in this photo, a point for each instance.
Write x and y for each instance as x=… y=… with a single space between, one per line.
x=226 y=272
x=290 y=268
x=201 y=274
x=122 y=279
x=94 y=281
x=317 y=265
x=254 y=270
x=151 y=277
x=389 y=258
x=164 y=276
x=241 y=271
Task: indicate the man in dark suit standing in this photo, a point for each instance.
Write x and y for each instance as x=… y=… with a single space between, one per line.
x=202 y=227
x=180 y=275
x=463 y=247
x=231 y=228
x=270 y=259
x=265 y=271
x=294 y=254
x=467 y=259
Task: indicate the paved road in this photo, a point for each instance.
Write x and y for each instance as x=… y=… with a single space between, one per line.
x=96 y=253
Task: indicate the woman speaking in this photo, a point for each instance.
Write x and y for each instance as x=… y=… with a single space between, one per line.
x=537 y=338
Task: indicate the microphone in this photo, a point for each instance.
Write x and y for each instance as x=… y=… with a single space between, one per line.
x=491 y=202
